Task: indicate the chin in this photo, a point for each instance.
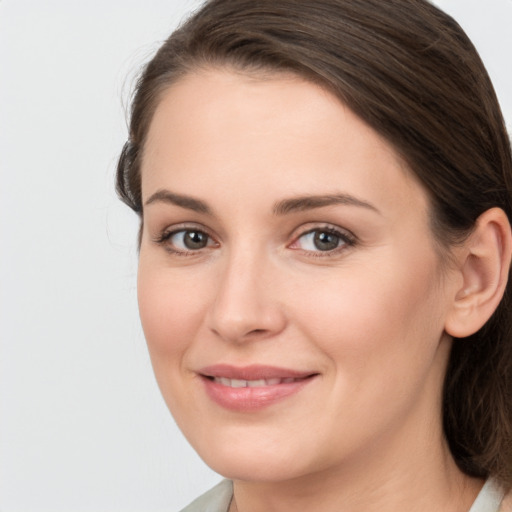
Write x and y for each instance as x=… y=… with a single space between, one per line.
x=256 y=461
x=255 y=470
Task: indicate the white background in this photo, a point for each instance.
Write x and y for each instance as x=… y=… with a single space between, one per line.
x=82 y=423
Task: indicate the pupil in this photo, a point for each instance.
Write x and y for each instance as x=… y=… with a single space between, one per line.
x=195 y=240
x=326 y=241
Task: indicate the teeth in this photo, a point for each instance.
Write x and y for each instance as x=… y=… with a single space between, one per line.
x=256 y=383
x=237 y=383
x=240 y=383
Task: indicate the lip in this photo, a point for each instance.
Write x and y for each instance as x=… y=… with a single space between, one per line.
x=253 y=398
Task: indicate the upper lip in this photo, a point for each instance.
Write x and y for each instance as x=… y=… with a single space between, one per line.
x=253 y=372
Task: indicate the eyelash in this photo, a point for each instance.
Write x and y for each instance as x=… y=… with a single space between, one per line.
x=164 y=238
x=346 y=239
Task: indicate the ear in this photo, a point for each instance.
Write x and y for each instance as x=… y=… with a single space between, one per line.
x=484 y=262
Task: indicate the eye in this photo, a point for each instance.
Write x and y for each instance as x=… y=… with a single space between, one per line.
x=191 y=240
x=185 y=240
x=323 y=240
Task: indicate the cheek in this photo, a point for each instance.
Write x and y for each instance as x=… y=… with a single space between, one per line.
x=375 y=318
x=380 y=332
x=170 y=311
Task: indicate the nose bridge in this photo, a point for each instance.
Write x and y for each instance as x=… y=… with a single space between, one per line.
x=246 y=304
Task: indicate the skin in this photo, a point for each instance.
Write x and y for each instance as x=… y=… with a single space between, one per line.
x=367 y=317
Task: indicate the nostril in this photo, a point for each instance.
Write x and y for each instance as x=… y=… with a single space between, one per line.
x=240 y=317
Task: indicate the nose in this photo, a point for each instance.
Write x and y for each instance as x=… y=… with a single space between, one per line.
x=246 y=305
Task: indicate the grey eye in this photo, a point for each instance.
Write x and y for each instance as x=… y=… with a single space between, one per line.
x=324 y=241
x=320 y=240
x=189 y=240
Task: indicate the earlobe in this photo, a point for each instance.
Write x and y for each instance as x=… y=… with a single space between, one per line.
x=484 y=265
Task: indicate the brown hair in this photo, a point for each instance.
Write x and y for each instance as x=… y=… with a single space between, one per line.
x=412 y=74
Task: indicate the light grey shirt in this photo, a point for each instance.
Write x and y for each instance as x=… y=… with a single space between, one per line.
x=214 y=500
x=218 y=499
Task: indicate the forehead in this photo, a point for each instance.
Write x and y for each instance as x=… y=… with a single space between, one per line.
x=280 y=133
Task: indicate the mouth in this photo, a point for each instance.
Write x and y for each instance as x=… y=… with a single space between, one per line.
x=258 y=383
x=252 y=388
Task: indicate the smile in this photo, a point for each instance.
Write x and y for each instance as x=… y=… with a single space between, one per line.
x=252 y=388
x=240 y=383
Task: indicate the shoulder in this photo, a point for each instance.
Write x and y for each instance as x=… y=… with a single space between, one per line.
x=216 y=499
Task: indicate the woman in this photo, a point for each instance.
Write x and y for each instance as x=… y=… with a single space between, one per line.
x=324 y=189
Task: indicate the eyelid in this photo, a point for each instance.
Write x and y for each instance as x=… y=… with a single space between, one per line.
x=347 y=237
x=163 y=237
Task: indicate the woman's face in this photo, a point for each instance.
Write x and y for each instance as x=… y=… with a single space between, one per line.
x=289 y=287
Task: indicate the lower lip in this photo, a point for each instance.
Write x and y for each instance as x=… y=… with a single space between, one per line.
x=252 y=399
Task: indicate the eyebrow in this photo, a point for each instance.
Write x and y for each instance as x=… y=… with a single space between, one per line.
x=190 y=203
x=304 y=203
x=284 y=207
